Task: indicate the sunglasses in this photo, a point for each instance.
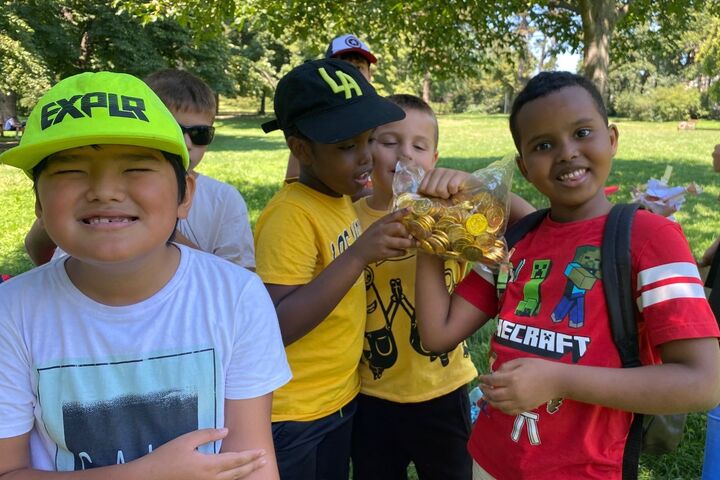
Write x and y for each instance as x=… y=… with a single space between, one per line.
x=199 y=134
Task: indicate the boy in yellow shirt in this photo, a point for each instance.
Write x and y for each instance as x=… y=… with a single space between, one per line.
x=310 y=253
x=413 y=405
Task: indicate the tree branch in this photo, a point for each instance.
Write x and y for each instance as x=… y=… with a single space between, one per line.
x=559 y=4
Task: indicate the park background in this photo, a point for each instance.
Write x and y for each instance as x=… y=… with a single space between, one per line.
x=656 y=62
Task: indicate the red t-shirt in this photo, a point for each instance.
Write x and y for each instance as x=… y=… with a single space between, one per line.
x=555 y=309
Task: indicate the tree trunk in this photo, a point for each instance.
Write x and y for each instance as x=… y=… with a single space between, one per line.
x=8 y=105
x=262 y=103
x=426 y=87
x=599 y=18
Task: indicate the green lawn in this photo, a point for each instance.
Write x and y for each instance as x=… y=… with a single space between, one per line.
x=255 y=163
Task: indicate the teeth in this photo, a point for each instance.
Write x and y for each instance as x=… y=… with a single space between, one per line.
x=573 y=175
x=101 y=220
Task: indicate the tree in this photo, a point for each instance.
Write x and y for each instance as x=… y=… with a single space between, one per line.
x=591 y=25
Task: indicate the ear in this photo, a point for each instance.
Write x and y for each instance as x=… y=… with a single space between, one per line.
x=614 y=136
x=186 y=203
x=301 y=149
x=435 y=158
x=38 y=208
x=521 y=165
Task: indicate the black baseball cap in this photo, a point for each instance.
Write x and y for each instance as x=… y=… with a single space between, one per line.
x=329 y=101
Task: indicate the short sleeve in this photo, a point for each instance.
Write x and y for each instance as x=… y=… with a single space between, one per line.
x=478 y=289
x=258 y=364
x=286 y=252
x=16 y=396
x=669 y=292
x=235 y=240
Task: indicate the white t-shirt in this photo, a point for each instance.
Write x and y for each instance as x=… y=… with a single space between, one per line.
x=218 y=222
x=99 y=385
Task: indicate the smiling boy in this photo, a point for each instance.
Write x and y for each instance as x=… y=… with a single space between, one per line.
x=132 y=357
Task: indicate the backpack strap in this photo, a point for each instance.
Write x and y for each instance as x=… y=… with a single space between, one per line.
x=523 y=226
x=513 y=235
x=616 y=273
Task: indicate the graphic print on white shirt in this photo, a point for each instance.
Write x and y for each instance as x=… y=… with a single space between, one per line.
x=141 y=402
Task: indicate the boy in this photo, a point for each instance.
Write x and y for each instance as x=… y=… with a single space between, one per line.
x=350 y=49
x=557 y=400
x=311 y=256
x=413 y=404
x=130 y=344
x=218 y=221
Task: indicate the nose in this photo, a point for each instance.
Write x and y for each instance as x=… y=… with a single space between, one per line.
x=405 y=151
x=105 y=185
x=568 y=151
x=365 y=154
x=188 y=142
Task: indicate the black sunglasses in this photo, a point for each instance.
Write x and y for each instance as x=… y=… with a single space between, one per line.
x=199 y=134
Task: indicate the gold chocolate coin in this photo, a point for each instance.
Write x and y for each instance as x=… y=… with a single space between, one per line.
x=476 y=224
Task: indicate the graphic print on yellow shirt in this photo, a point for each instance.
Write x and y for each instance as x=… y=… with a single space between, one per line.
x=395 y=365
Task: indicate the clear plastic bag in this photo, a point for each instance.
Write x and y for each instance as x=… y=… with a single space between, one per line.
x=470 y=225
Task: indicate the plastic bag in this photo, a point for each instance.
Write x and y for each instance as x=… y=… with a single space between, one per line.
x=470 y=225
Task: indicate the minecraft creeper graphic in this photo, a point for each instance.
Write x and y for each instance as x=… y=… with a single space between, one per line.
x=530 y=304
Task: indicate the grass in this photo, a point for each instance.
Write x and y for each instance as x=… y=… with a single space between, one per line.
x=255 y=164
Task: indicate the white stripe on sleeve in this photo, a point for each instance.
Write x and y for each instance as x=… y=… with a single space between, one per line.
x=670 y=291
x=666 y=271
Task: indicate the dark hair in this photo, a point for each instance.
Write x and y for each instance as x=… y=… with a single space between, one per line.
x=350 y=56
x=182 y=91
x=413 y=102
x=175 y=161
x=545 y=83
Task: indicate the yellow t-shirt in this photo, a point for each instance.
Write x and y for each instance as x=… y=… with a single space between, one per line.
x=395 y=366
x=298 y=234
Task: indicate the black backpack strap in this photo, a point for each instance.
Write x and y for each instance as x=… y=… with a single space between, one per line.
x=526 y=224
x=513 y=235
x=616 y=272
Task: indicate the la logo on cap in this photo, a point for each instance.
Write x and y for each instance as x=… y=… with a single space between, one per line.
x=347 y=84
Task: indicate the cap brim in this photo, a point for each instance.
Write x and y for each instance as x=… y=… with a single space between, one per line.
x=368 y=56
x=26 y=157
x=348 y=121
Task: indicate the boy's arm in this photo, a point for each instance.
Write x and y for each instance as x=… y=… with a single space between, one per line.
x=519 y=207
x=176 y=460
x=444 y=320
x=38 y=244
x=300 y=308
x=687 y=381
x=248 y=423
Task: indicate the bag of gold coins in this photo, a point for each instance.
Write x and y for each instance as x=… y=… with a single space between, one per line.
x=469 y=226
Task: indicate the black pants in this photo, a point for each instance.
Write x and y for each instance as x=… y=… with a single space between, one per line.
x=315 y=450
x=387 y=436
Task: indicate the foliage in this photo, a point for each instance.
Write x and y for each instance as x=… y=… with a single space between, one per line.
x=659 y=104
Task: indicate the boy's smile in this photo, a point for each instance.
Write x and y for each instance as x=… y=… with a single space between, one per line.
x=109 y=203
x=566 y=152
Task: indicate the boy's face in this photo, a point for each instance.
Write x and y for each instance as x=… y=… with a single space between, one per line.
x=191 y=119
x=110 y=203
x=566 y=152
x=361 y=64
x=411 y=139
x=334 y=169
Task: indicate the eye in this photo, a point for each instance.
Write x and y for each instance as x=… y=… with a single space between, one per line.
x=66 y=171
x=389 y=143
x=583 y=132
x=346 y=147
x=540 y=147
x=422 y=148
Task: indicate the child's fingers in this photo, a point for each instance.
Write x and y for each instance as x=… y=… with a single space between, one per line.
x=203 y=436
x=232 y=465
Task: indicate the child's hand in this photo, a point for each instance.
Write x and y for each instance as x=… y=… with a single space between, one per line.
x=521 y=385
x=179 y=459
x=386 y=238
x=444 y=182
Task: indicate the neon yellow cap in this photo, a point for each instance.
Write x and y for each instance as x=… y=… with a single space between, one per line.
x=96 y=109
